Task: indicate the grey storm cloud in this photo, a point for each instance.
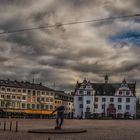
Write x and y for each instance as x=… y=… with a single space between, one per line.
x=64 y=54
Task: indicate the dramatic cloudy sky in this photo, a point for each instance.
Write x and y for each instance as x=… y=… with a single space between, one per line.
x=63 y=55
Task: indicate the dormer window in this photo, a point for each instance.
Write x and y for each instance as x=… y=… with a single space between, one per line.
x=120 y=92
x=127 y=93
x=88 y=92
x=124 y=84
x=80 y=91
x=82 y=87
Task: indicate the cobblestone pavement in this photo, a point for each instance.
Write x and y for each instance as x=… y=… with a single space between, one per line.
x=97 y=130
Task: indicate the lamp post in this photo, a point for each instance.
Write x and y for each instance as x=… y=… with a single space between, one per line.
x=41 y=105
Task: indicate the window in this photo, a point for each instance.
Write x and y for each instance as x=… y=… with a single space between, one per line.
x=88 y=101
x=8 y=96
x=33 y=92
x=41 y=106
x=13 y=97
x=3 y=89
x=2 y=104
x=51 y=107
x=33 y=106
x=42 y=99
x=51 y=99
x=43 y=93
x=51 y=94
x=38 y=99
x=81 y=92
x=47 y=106
x=120 y=92
x=38 y=106
x=119 y=100
x=24 y=90
x=127 y=92
x=96 y=106
x=13 y=90
x=13 y=104
x=2 y=96
x=29 y=92
x=18 y=97
x=127 y=107
x=81 y=105
x=119 y=107
x=87 y=109
x=28 y=106
x=23 y=97
x=103 y=106
x=38 y=92
x=47 y=99
x=23 y=105
x=19 y=90
x=88 y=92
x=96 y=99
x=127 y=100
x=8 y=89
x=80 y=98
x=111 y=99
x=103 y=99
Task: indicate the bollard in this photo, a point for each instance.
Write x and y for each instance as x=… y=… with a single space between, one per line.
x=16 y=126
x=10 y=126
x=4 y=126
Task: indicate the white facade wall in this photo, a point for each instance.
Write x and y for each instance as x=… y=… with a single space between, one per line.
x=77 y=109
x=100 y=103
x=96 y=106
x=132 y=105
x=80 y=112
x=86 y=105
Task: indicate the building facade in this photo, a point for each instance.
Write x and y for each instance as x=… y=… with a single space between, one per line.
x=26 y=97
x=31 y=99
x=66 y=100
x=116 y=100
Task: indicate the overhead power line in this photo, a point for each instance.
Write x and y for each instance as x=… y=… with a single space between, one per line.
x=69 y=23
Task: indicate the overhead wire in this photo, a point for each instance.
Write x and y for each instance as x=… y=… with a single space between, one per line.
x=69 y=23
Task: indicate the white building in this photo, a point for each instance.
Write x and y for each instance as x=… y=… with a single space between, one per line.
x=104 y=99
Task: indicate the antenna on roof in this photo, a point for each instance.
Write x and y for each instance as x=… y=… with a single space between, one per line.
x=33 y=80
x=54 y=85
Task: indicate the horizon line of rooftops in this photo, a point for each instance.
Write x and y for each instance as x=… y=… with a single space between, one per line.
x=26 y=84
x=106 y=81
x=30 y=85
x=8 y=81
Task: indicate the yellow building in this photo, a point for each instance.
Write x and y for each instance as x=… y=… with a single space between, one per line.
x=26 y=98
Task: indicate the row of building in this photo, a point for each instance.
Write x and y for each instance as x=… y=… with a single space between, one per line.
x=89 y=99
x=18 y=98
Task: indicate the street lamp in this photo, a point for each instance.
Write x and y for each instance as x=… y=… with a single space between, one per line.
x=41 y=104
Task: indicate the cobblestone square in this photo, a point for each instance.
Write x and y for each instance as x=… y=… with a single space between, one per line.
x=97 y=130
